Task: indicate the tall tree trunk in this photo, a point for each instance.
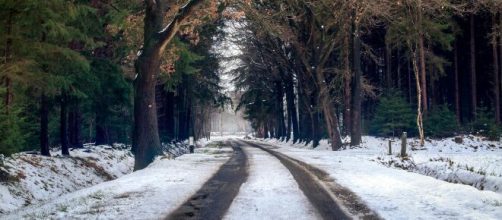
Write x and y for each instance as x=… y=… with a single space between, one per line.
x=8 y=55
x=290 y=101
x=388 y=65
x=496 y=77
x=356 y=130
x=457 y=89
x=281 y=128
x=421 y=48
x=500 y=57
x=419 y=98
x=146 y=141
x=314 y=116
x=423 y=76
x=44 y=126
x=330 y=117
x=63 y=129
x=410 y=70
x=399 y=69
x=474 y=95
x=102 y=137
x=74 y=122
x=347 y=117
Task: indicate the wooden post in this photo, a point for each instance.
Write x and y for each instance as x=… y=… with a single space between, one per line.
x=191 y=144
x=390 y=147
x=403 y=144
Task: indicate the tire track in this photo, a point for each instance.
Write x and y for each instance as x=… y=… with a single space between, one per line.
x=216 y=195
x=330 y=199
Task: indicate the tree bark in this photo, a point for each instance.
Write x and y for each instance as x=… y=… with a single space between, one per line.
x=421 y=48
x=330 y=117
x=63 y=130
x=356 y=130
x=347 y=117
x=473 y=68
x=44 y=126
x=146 y=141
x=281 y=127
x=102 y=137
x=496 y=77
x=423 y=76
x=500 y=58
x=388 y=65
x=290 y=101
x=398 y=69
x=457 y=89
x=74 y=122
x=419 y=98
x=8 y=55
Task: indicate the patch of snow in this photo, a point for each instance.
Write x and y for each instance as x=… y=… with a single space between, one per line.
x=31 y=178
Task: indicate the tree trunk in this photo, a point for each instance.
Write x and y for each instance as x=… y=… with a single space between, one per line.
x=409 y=81
x=44 y=126
x=496 y=77
x=281 y=127
x=290 y=101
x=146 y=141
x=63 y=130
x=330 y=117
x=457 y=89
x=314 y=116
x=7 y=55
x=423 y=76
x=421 y=48
x=388 y=65
x=500 y=57
x=356 y=133
x=102 y=137
x=74 y=122
x=419 y=98
x=399 y=69
x=347 y=117
x=474 y=100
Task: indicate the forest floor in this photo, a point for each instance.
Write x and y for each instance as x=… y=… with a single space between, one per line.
x=234 y=178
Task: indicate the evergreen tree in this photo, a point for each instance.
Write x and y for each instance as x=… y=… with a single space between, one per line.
x=393 y=116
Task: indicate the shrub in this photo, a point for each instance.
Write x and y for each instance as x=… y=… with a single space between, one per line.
x=485 y=124
x=11 y=135
x=393 y=115
x=440 y=122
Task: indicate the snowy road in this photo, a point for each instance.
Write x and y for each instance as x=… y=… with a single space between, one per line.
x=259 y=183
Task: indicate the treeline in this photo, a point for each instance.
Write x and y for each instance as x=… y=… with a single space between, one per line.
x=68 y=72
x=330 y=68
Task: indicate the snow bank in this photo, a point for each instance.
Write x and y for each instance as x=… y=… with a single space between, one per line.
x=30 y=178
x=475 y=162
x=150 y=193
x=396 y=193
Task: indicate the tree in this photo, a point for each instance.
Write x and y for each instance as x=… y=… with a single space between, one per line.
x=432 y=19
x=146 y=141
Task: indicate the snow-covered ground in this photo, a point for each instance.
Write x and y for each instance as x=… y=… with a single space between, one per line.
x=151 y=193
x=30 y=178
x=405 y=190
x=270 y=192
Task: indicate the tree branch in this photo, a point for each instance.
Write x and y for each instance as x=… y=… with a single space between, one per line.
x=167 y=34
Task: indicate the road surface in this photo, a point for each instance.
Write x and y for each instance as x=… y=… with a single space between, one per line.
x=232 y=193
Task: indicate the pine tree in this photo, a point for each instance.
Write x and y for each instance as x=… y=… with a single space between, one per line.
x=393 y=116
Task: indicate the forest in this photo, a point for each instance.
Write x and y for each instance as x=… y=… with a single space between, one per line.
x=148 y=72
